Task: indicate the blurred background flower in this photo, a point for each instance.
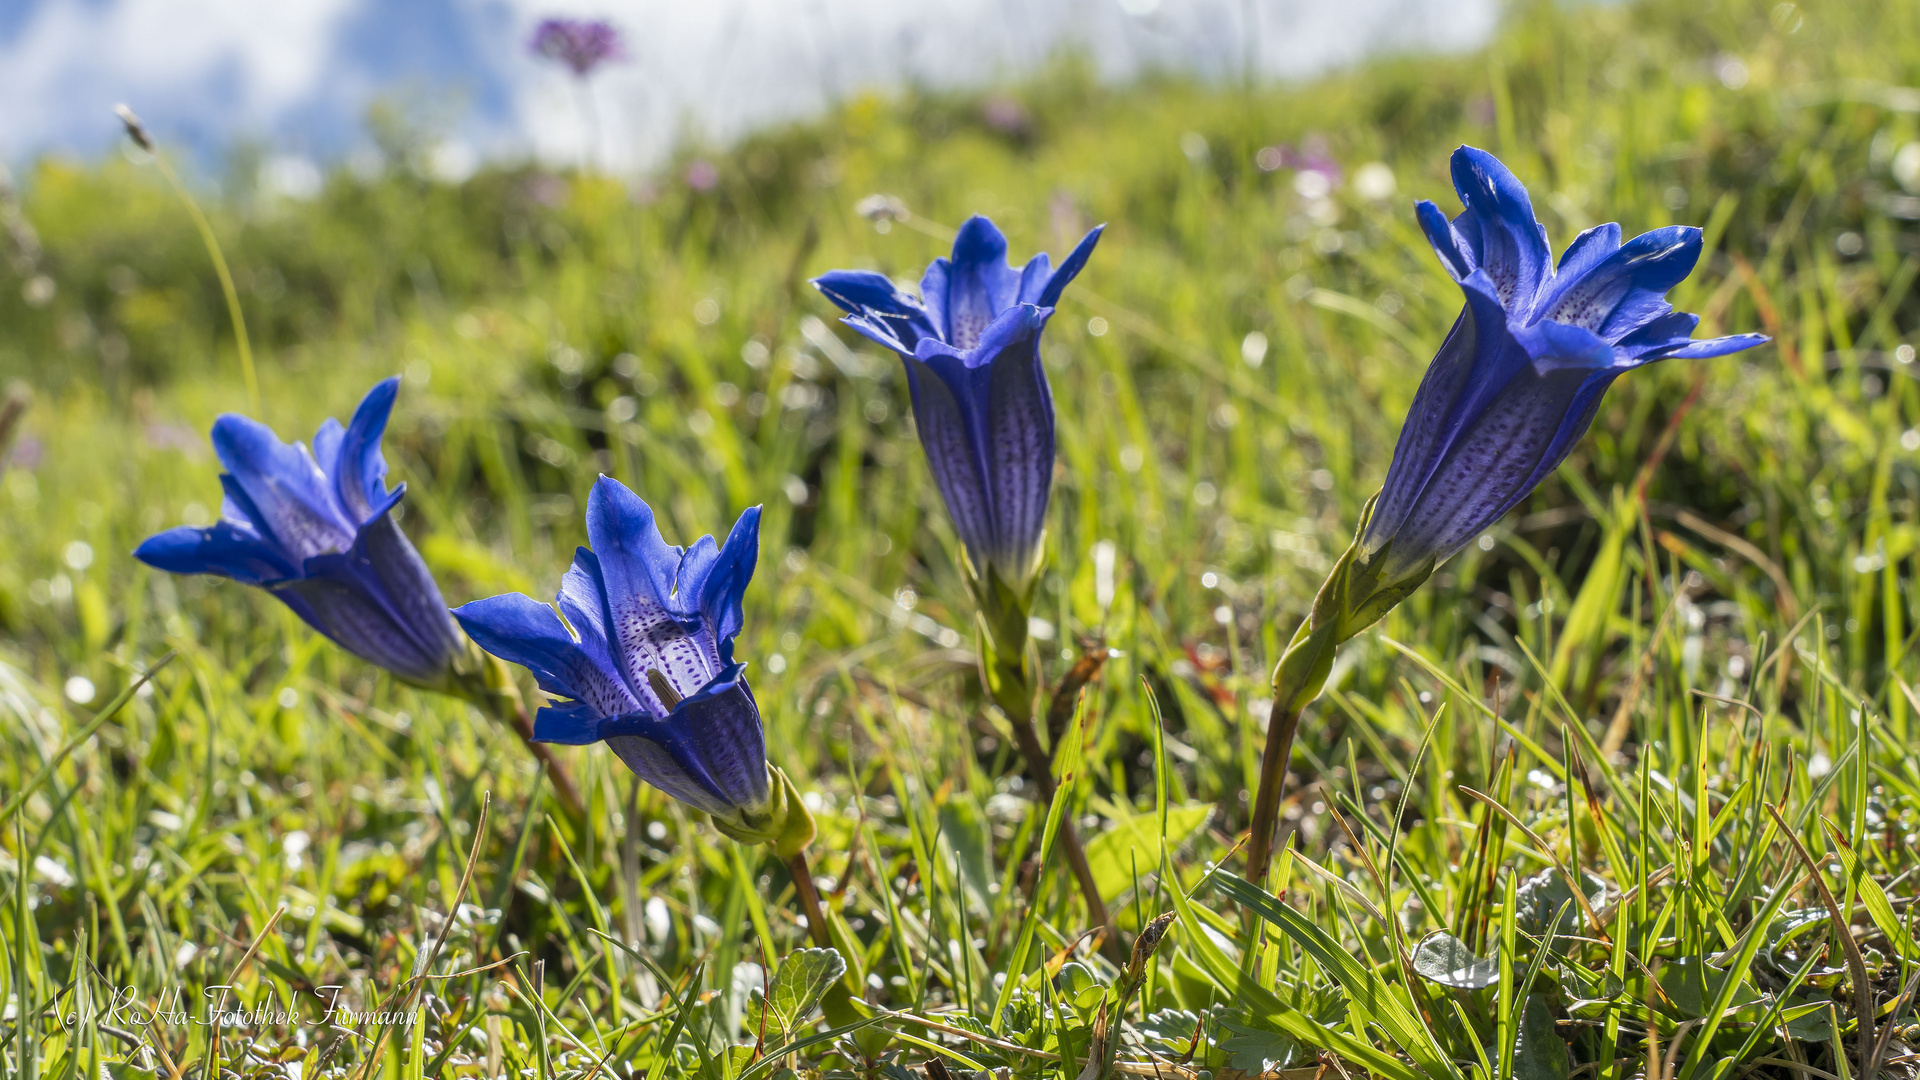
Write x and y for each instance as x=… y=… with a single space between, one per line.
x=581 y=44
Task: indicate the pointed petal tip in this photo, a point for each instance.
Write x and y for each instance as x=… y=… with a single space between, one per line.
x=1076 y=261
x=377 y=405
x=606 y=487
x=162 y=549
x=1468 y=157
x=233 y=425
x=979 y=240
x=1433 y=221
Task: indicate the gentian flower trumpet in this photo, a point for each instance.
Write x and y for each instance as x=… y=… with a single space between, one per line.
x=314 y=527
x=971 y=345
x=1514 y=386
x=1519 y=379
x=646 y=658
x=984 y=412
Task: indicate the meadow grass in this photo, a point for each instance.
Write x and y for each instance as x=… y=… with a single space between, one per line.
x=1626 y=790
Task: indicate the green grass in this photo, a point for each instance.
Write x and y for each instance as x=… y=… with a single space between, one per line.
x=1707 y=614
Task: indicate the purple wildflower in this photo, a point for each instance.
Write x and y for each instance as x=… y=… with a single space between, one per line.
x=701 y=175
x=581 y=44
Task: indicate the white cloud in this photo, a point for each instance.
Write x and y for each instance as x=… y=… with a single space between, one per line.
x=713 y=70
x=243 y=62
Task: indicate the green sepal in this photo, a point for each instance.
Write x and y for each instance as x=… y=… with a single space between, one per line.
x=1000 y=624
x=784 y=823
x=480 y=678
x=1354 y=597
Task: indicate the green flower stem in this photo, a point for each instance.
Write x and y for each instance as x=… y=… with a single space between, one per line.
x=1010 y=680
x=837 y=1004
x=1356 y=594
x=1282 y=725
x=809 y=897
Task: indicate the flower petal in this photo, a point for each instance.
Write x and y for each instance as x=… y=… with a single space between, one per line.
x=1446 y=242
x=521 y=630
x=881 y=332
x=1020 y=451
x=359 y=470
x=379 y=602
x=883 y=307
x=963 y=294
x=726 y=582
x=1670 y=336
x=1626 y=290
x=633 y=556
x=291 y=500
x=227 y=549
x=653 y=762
x=570 y=723
x=1514 y=442
x=1034 y=278
x=1070 y=269
x=710 y=753
x=326 y=444
x=339 y=605
x=990 y=437
x=1475 y=363
x=1669 y=331
x=1707 y=348
x=583 y=605
x=944 y=411
x=1587 y=251
x=1499 y=227
x=637 y=570
x=407 y=585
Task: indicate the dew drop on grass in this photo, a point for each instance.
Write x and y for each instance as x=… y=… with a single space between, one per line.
x=80 y=690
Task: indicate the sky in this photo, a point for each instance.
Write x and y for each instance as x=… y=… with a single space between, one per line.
x=295 y=78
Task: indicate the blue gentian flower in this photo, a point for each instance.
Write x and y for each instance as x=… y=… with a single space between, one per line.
x=315 y=528
x=1519 y=378
x=971 y=344
x=646 y=658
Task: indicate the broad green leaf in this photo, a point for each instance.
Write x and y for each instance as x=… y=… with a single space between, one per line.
x=1543 y=895
x=1442 y=958
x=1809 y=1022
x=803 y=977
x=1256 y=1050
x=964 y=827
x=729 y=1065
x=1133 y=845
x=1539 y=1053
x=1691 y=985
